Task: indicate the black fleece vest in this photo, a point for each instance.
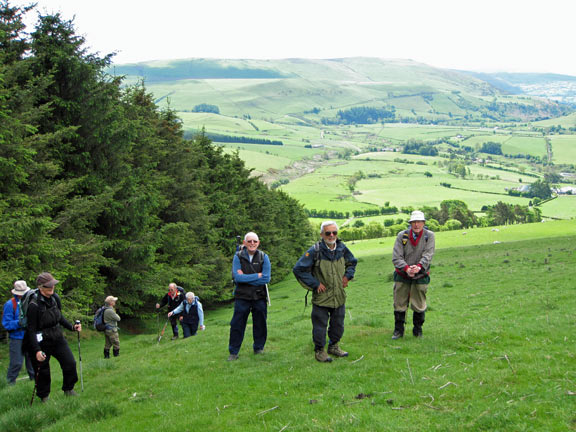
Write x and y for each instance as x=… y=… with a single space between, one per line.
x=246 y=291
x=190 y=317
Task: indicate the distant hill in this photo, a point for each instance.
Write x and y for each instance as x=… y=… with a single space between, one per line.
x=317 y=91
x=561 y=88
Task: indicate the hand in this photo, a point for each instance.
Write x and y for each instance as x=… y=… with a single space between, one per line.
x=170 y=314
x=259 y=275
x=240 y=272
x=157 y=306
x=181 y=318
x=202 y=327
x=40 y=356
x=321 y=288
x=78 y=327
x=345 y=281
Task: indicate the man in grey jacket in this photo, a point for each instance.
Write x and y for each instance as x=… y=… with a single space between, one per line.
x=413 y=252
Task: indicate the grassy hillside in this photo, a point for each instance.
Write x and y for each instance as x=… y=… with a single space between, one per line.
x=274 y=88
x=497 y=354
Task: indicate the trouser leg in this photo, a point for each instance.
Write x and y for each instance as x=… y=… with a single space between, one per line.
x=320 y=316
x=63 y=354
x=238 y=325
x=174 y=324
x=186 y=329
x=259 y=328
x=43 y=379
x=336 y=328
x=16 y=360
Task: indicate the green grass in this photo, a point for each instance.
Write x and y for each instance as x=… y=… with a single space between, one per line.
x=564 y=149
x=497 y=355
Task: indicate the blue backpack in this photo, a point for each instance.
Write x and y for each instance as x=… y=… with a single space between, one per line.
x=99 y=323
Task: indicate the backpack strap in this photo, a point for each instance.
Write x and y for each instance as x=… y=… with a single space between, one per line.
x=14 y=304
x=316 y=259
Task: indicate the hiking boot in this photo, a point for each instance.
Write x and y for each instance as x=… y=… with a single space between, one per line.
x=116 y=352
x=399 y=319
x=70 y=393
x=107 y=353
x=322 y=357
x=174 y=337
x=45 y=399
x=336 y=351
x=259 y=351
x=418 y=320
x=233 y=357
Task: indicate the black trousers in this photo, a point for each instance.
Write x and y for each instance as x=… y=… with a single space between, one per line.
x=321 y=316
x=61 y=352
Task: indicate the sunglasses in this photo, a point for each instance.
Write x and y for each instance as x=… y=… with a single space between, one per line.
x=251 y=241
x=329 y=233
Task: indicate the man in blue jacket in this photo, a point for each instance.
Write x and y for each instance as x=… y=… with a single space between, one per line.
x=16 y=334
x=251 y=273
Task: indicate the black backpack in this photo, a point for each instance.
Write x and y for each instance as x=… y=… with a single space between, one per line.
x=99 y=323
x=24 y=303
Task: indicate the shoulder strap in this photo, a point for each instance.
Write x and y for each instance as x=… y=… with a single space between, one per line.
x=14 y=304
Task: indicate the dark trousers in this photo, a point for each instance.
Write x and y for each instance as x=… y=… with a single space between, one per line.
x=321 y=316
x=61 y=352
x=242 y=309
x=174 y=324
x=189 y=329
x=17 y=358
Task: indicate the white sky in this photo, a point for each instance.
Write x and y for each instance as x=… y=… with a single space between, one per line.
x=482 y=35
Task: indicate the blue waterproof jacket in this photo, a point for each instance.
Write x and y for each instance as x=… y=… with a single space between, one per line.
x=10 y=319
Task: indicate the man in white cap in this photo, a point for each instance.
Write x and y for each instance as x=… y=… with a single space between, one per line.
x=16 y=334
x=412 y=254
x=111 y=319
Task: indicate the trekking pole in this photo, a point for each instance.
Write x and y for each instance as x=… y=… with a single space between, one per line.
x=163 y=329
x=158 y=324
x=36 y=381
x=77 y=322
x=267 y=294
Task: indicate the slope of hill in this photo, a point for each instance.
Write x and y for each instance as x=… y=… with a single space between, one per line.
x=318 y=89
x=495 y=356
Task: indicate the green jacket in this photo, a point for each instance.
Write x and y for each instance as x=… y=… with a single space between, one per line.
x=322 y=265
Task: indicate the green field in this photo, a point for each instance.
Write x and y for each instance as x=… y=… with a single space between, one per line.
x=497 y=354
x=564 y=149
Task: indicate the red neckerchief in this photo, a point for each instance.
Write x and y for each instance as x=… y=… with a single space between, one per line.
x=411 y=237
x=173 y=296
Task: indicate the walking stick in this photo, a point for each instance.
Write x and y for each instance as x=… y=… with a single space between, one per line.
x=80 y=358
x=35 y=382
x=163 y=329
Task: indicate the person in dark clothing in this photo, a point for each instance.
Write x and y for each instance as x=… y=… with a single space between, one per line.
x=191 y=315
x=173 y=298
x=251 y=273
x=45 y=339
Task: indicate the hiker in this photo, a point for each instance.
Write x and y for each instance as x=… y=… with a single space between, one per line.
x=111 y=320
x=45 y=339
x=173 y=298
x=251 y=273
x=16 y=334
x=412 y=254
x=191 y=315
x=325 y=269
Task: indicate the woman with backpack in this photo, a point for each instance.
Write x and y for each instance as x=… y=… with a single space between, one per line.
x=45 y=339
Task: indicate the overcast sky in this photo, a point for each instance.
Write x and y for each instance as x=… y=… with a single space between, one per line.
x=482 y=35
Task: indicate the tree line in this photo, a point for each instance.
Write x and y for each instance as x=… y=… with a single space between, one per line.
x=100 y=187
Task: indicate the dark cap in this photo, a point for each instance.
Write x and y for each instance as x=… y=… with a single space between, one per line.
x=46 y=280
